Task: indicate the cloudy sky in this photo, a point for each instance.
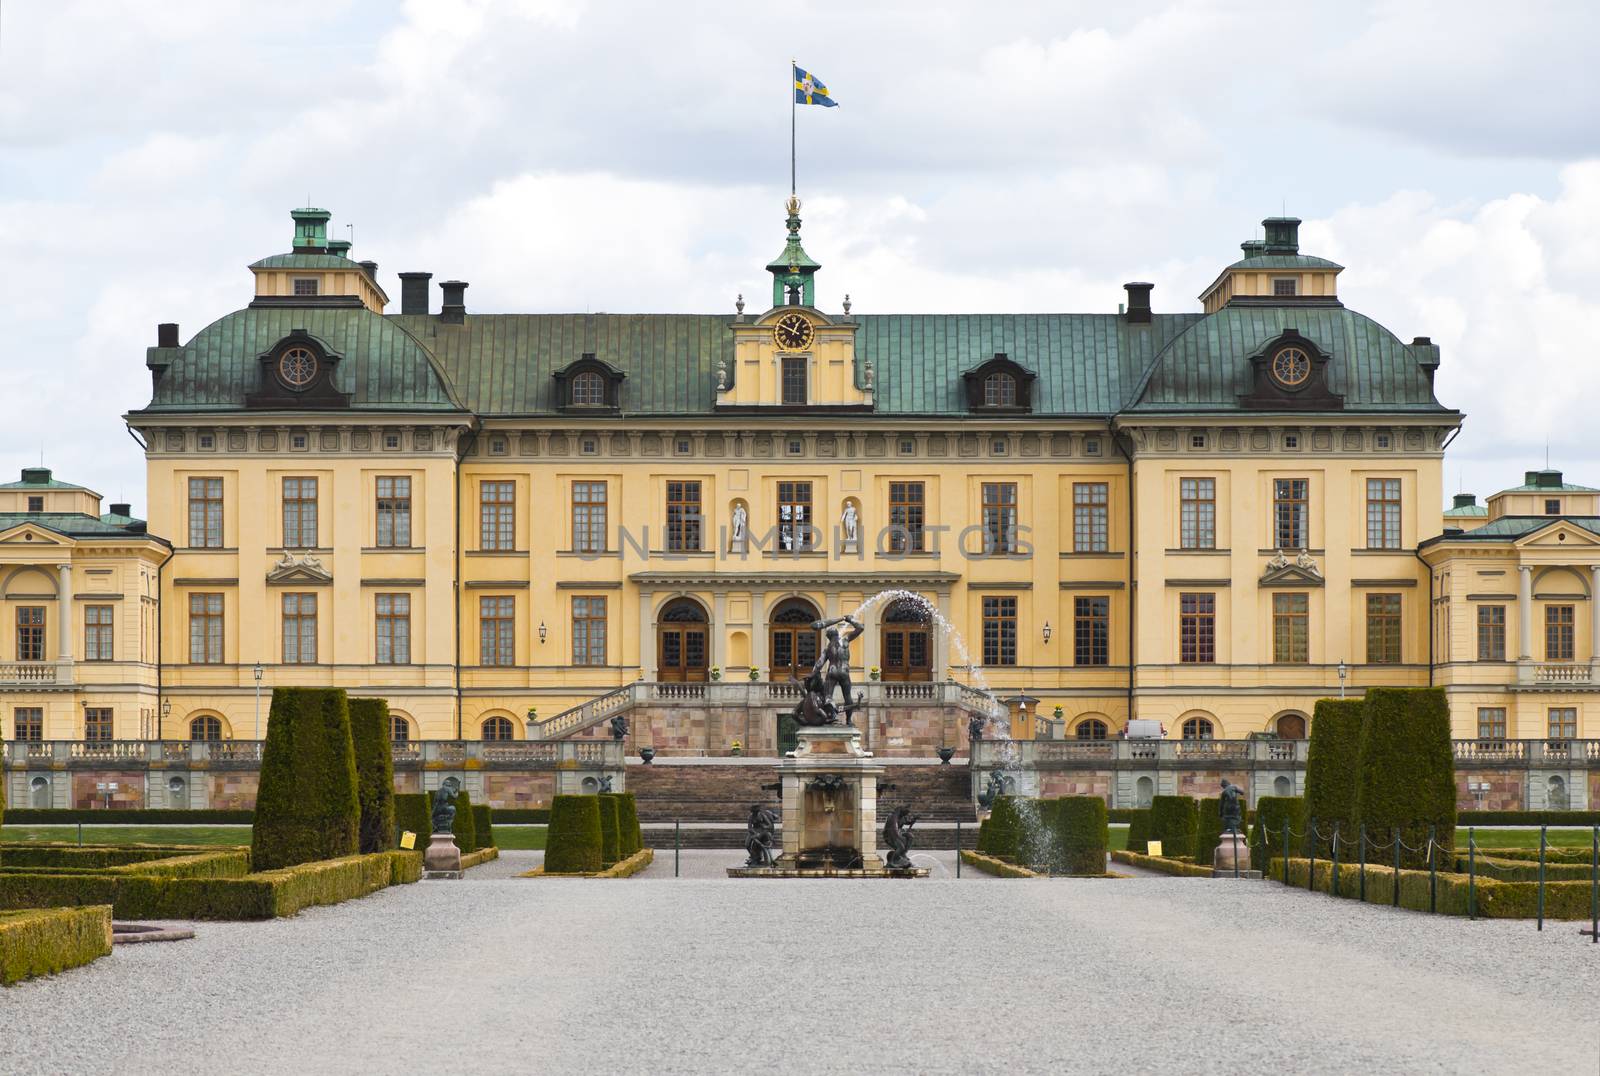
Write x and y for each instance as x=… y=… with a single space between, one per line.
x=562 y=155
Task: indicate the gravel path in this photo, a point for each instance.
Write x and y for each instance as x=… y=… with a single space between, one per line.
x=699 y=973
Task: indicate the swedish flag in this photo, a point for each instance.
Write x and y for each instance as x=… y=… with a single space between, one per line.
x=809 y=90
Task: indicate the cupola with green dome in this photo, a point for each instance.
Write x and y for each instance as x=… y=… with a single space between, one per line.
x=793 y=271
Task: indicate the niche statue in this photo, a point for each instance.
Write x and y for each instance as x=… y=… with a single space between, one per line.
x=897 y=835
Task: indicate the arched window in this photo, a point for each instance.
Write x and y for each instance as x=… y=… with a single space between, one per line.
x=496 y=729
x=1291 y=727
x=588 y=389
x=205 y=727
x=1199 y=728
x=999 y=390
x=399 y=729
x=1092 y=729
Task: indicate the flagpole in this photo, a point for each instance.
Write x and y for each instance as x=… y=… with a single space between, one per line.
x=792 y=111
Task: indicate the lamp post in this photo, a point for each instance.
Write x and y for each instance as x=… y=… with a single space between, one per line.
x=258 y=674
x=1343 y=672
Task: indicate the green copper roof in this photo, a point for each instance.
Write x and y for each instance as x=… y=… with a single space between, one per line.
x=1510 y=528
x=1543 y=489
x=1284 y=261
x=39 y=478
x=1207 y=367
x=1471 y=511
x=74 y=524
x=383 y=366
x=304 y=261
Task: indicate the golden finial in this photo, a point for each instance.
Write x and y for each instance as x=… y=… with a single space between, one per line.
x=793 y=206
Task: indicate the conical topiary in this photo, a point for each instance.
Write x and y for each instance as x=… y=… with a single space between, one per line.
x=572 y=844
x=306 y=806
x=369 y=735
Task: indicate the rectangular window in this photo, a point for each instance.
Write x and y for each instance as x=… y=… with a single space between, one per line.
x=1291 y=620
x=794 y=380
x=1283 y=285
x=589 y=631
x=30 y=633
x=1197 y=629
x=35 y=504
x=305 y=285
x=394 y=512
x=794 y=516
x=1383 y=513
x=1552 y=507
x=97 y=633
x=999 y=631
x=1491 y=633
x=299 y=629
x=1089 y=524
x=497 y=631
x=1491 y=722
x=1290 y=514
x=1563 y=722
x=1091 y=631
x=29 y=723
x=205 y=513
x=299 y=513
x=999 y=517
x=97 y=724
x=683 y=516
x=497 y=515
x=906 y=517
x=589 y=517
x=1197 y=513
x=205 y=629
x=1558 y=638
x=394 y=629
x=1383 y=629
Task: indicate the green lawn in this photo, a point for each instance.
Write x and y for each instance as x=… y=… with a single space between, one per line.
x=1504 y=837
x=519 y=838
x=509 y=837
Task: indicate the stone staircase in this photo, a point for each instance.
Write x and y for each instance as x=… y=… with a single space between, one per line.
x=669 y=791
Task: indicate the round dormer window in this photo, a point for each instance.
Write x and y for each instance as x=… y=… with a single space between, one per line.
x=297 y=367
x=1291 y=367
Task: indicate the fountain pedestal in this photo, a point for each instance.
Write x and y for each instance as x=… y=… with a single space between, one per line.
x=830 y=810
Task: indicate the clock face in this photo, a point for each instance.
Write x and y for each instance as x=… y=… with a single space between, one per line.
x=1291 y=367
x=793 y=332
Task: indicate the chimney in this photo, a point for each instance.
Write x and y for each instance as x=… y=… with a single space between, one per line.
x=371 y=269
x=1466 y=500
x=1548 y=479
x=125 y=510
x=453 y=311
x=1282 y=235
x=414 y=292
x=167 y=334
x=1138 y=301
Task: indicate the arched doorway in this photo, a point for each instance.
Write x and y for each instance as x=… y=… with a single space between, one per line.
x=794 y=642
x=907 y=642
x=681 y=634
x=1291 y=726
x=39 y=793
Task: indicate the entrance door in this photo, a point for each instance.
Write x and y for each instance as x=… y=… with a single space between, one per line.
x=682 y=652
x=794 y=641
x=907 y=643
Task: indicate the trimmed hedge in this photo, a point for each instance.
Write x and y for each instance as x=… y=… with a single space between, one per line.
x=1266 y=836
x=369 y=738
x=572 y=845
x=464 y=828
x=997 y=867
x=1407 y=770
x=98 y=856
x=1495 y=899
x=45 y=941
x=1175 y=822
x=1521 y=870
x=610 y=847
x=1177 y=867
x=1078 y=834
x=629 y=836
x=411 y=815
x=1532 y=819
x=1531 y=855
x=306 y=808
x=267 y=895
x=1001 y=834
x=482 y=825
x=1333 y=768
x=126 y=816
x=1138 y=829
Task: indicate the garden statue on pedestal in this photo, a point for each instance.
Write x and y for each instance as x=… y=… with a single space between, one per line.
x=897 y=835
x=996 y=788
x=443 y=857
x=444 y=807
x=1232 y=854
x=619 y=728
x=760 y=833
x=975 y=725
x=605 y=784
x=1232 y=808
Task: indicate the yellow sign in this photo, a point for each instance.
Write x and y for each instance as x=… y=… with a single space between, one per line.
x=1153 y=848
x=408 y=840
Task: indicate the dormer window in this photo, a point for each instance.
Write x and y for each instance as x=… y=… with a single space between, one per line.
x=999 y=390
x=1552 y=507
x=1284 y=286
x=305 y=285
x=36 y=504
x=588 y=390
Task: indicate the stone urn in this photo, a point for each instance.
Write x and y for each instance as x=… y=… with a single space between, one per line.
x=646 y=754
x=945 y=755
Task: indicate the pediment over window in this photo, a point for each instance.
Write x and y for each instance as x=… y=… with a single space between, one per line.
x=1000 y=385
x=1290 y=373
x=297 y=372
x=304 y=570
x=1302 y=571
x=588 y=385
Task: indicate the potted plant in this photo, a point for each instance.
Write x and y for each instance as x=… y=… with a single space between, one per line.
x=716 y=672
x=533 y=715
x=754 y=673
x=1059 y=712
x=646 y=754
x=874 y=672
x=737 y=748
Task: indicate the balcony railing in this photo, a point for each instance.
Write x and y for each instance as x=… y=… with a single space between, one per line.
x=179 y=754
x=1557 y=674
x=1137 y=753
x=35 y=673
